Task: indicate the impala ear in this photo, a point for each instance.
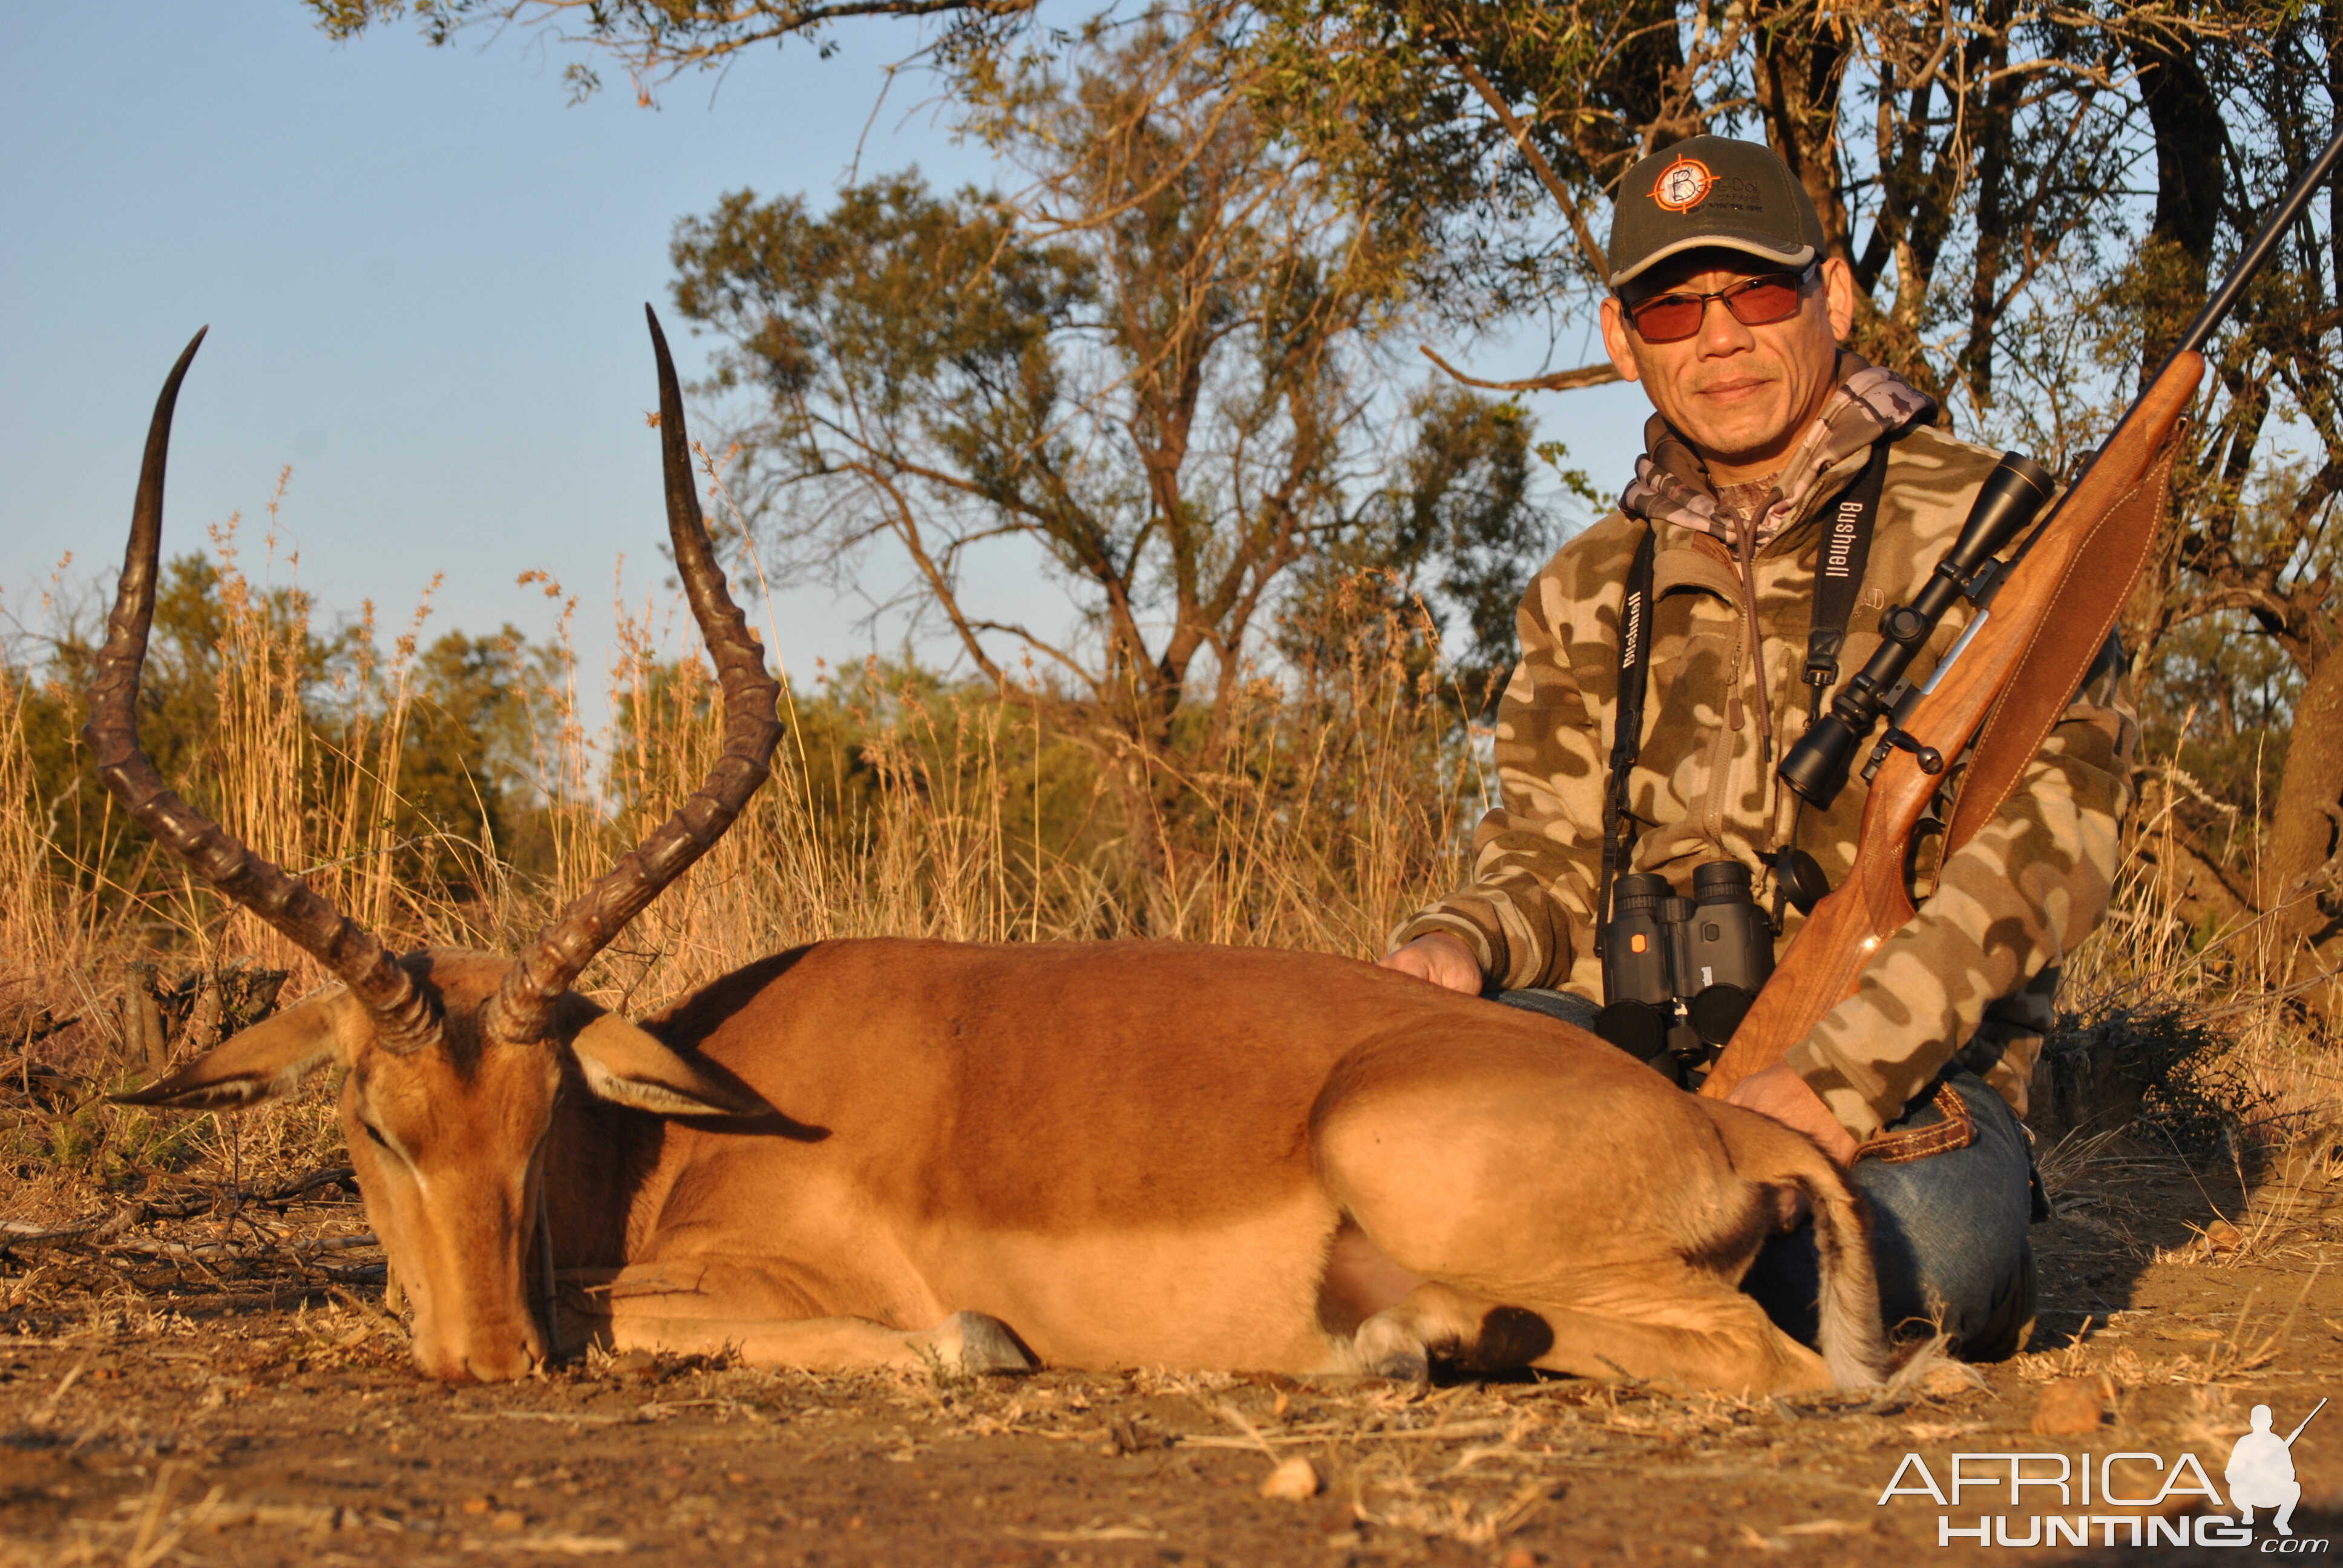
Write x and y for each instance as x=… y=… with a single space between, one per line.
x=269 y=1060
x=627 y=1066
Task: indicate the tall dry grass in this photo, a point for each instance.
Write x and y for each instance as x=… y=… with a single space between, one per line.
x=1332 y=802
x=1330 y=805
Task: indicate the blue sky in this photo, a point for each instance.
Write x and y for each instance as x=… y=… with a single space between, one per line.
x=424 y=273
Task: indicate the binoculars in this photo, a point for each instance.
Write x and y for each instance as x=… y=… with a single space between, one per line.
x=1679 y=973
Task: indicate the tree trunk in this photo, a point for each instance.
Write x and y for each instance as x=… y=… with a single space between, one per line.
x=2297 y=874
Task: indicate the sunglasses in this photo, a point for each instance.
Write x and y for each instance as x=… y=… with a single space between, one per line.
x=1754 y=301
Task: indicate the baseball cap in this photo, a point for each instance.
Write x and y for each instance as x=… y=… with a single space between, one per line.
x=1710 y=191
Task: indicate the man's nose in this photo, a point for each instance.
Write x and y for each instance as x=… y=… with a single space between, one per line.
x=1721 y=331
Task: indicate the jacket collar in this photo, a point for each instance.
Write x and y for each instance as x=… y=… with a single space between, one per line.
x=1672 y=482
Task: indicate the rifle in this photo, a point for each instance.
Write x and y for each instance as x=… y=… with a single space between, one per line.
x=2005 y=685
x=2306 y=1421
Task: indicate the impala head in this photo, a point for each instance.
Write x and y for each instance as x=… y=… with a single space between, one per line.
x=453 y=1059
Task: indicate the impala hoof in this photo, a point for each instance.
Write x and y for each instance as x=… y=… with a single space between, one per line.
x=984 y=1345
x=1407 y=1367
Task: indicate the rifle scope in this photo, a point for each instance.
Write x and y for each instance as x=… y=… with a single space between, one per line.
x=1816 y=767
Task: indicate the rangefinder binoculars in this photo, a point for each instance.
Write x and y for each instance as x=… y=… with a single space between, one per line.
x=1678 y=973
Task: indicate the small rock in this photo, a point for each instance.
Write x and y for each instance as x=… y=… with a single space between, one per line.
x=1519 y=1557
x=2220 y=1236
x=476 y=1506
x=507 y=1521
x=2072 y=1407
x=1295 y=1479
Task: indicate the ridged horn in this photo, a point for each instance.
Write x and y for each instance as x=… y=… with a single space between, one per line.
x=404 y=1018
x=523 y=1007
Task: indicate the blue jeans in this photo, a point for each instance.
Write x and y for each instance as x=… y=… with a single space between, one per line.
x=1947 y=1228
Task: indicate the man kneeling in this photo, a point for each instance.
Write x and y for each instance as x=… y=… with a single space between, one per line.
x=1788 y=491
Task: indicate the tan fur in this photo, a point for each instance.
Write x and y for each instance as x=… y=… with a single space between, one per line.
x=1129 y=1153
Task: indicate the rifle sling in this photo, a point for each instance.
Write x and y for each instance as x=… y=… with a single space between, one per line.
x=1628 y=722
x=1838 y=572
x=2067 y=642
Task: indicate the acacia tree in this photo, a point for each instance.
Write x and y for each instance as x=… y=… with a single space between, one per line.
x=1156 y=368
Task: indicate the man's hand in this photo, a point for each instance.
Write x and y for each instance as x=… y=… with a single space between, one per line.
x=1779 y=1092
x=1442 y=958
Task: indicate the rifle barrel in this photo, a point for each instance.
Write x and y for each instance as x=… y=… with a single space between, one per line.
x=2289 y=209
x=2306 y=1421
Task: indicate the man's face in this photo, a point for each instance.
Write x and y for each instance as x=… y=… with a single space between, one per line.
x=1744 y=395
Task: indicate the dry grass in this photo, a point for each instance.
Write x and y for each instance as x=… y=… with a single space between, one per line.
x=1330 y=805
x=1334 y=802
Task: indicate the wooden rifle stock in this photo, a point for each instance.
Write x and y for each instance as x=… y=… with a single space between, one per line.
x=2015 y=676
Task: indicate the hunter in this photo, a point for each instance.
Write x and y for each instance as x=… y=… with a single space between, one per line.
x=1725 y=311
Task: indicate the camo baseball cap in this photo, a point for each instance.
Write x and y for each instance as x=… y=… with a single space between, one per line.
x=1710 y=191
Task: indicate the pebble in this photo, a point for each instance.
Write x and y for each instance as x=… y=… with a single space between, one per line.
x=2072 y=1407
x=1295 y=1479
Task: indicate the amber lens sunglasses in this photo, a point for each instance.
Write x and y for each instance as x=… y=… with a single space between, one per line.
x=1754 y=301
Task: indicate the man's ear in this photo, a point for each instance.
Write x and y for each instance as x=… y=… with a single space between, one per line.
x=626 y=1066
x=1838 y=296
x=1616 y=341
x=269 y=1060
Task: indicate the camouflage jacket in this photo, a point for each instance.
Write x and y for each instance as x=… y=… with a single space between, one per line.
x=1975 y=968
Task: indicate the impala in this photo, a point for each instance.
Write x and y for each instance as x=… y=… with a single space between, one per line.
x=895 y=1153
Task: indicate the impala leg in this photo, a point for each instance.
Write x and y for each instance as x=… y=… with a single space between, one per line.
x=1686 y=1329
x=1689 y=1330
x=708 y=1309
x=1542 y=1197
x=1440 y=1320
x=964 y=1341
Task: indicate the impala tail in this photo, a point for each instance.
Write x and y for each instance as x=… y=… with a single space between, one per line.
x=1853 y=1340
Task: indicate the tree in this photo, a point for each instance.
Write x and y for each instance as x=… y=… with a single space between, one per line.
x=653 y=40
x=1156 y=368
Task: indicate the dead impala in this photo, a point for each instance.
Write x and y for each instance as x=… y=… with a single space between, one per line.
x=882 y=1153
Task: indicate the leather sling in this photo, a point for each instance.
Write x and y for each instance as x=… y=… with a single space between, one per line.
x=2064 y=647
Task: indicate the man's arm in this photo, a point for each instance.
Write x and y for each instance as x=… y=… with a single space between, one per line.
x=2018 y=897
x=1524 y=917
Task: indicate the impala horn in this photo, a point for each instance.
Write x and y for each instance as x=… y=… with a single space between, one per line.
x=523 y=1008
x=405 y=1019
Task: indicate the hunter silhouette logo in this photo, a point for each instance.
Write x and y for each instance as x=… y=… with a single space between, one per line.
x=2262 y=1470
x=1683 y=185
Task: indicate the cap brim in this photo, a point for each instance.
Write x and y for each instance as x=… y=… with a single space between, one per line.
x=1764 y=246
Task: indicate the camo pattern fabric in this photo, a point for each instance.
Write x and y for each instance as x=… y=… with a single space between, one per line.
x=1975 y=968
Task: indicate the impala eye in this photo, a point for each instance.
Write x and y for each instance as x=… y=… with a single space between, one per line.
x=375 y=1133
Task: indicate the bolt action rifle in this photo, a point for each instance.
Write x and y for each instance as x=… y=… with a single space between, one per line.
x=2005 y=684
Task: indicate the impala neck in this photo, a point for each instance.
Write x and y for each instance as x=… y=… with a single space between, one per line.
x=601 y=1178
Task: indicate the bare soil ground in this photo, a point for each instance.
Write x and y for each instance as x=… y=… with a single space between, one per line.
x=244 y=1399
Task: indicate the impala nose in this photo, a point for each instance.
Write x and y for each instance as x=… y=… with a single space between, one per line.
x=501 y=1364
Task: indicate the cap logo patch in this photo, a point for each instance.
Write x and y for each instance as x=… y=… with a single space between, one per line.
x=1683 y=185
